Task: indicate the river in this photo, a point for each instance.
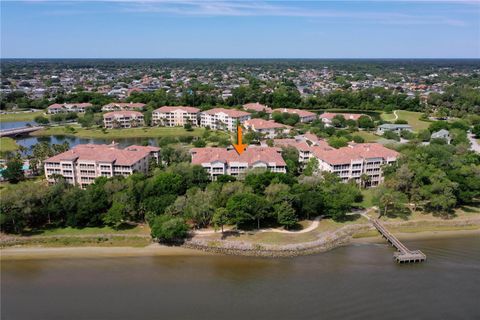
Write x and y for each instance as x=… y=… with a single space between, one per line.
x=355 y=282
x=28 y=141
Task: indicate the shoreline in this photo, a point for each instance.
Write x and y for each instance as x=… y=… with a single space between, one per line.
x=343 y=236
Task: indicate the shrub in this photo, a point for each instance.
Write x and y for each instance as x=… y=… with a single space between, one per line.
x=167 y=228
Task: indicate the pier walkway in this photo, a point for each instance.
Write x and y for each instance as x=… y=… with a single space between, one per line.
x=403 y=254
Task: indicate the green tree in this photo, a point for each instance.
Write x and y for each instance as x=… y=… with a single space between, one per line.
x=247 y=207
x=220 y=218
x=389 y=201
x=166 y=228
x=14 y=171
x=285 y=214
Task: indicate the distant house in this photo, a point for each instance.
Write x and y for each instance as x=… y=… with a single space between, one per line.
x=305 y=116
x=68 y=107
x=397 y=128
x=257 y=107
x=269 y=128
x=116 y=106
x=123 y=119
x=327 y=117
x=442 y=134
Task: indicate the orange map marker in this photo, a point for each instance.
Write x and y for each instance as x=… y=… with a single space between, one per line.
x=239 y=146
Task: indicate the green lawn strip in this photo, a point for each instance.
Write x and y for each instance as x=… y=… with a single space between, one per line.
x=141 y=230
x=413 y=119
x=367 y=136
x=8 y=144
x=96 y=241
x=22 y=116
x=367 y=201
x=146 y=132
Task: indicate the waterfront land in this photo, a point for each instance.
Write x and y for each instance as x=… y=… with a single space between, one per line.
x=147 y=132
x=8 y=144
x=20 y=116
x=136 y=240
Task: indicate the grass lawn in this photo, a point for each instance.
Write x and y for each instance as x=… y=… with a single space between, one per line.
x=276 y=238
x=368 y=136
x=8 y=144
x=413 y=119
x=22 y=116
x=367 y=198
x=140 y=230
x=147 y=132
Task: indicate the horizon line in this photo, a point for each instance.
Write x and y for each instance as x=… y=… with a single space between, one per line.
x=248 y=58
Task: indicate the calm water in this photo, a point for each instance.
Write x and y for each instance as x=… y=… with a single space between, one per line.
x=355 y=282
x=28 y=141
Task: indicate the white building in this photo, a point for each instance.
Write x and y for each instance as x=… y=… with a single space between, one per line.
x=117 y=106
x=85 y=162
x=220 y=161
x=351 y=162
x=175 y=116
x=123 y=119
x=68 y=107
x=223 y=119
x=305 y=116
x=268 y=128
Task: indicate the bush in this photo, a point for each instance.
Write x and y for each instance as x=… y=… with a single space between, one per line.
x=338 y=142
x=358 y=139
x=167 y=228
x=391 y=135
x=199 y=143
x=41 y=120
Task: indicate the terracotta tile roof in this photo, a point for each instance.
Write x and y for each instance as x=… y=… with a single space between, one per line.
x=299 y=145
x=125 y=105
x=59 y=106
x=230 y=112
x=354 y=152
x=347 y=116
x=301 y=113
x=104 y=153
x=256 y=107
x=166 y=109
x=251 y=155
x=259 y=124
x=122 y=113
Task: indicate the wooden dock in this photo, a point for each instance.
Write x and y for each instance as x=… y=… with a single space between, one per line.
x=403 y=254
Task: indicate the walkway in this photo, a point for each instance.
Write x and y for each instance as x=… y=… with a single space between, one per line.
x=403 y=254
x=18 y=131
x=475 y=145
x=311 y=227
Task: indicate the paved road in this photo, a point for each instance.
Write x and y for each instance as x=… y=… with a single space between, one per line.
x=475 y=145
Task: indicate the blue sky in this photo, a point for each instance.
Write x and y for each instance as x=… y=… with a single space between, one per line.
x=240 y=29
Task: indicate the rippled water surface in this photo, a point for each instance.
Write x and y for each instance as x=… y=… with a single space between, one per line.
x=355 y=282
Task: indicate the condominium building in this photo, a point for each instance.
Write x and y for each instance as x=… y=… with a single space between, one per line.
x=257 y=107
x=223 y=119
x=68 y=107
x=327 y=117
x=351 y=162
x=175 y=116
x=116 y=106
x=82 y=164
x=305 y=116
x=268 y=128
x=221 y=161
x=123 y=119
